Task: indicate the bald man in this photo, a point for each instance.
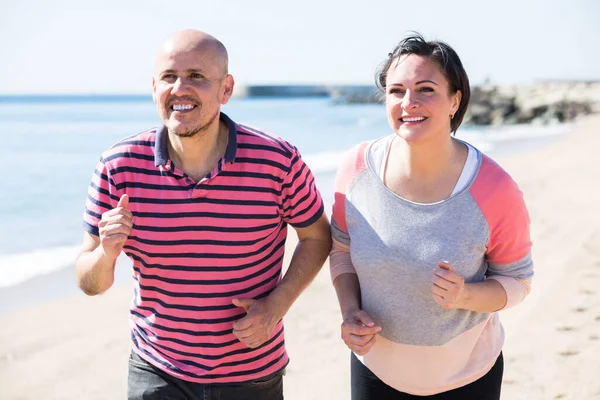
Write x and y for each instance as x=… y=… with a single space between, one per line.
x=201 y=206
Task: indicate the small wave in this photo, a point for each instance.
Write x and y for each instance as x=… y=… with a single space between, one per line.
x=514 y=132
x=489 y=139
x=477 y=141
x=326 y=161
x=17 y=268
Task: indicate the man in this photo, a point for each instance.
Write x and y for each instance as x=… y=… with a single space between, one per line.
x=201 y=207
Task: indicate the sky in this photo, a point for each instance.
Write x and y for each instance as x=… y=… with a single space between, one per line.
x=95 y=47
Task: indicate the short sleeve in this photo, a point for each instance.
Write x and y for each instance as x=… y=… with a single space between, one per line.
x=509 y=239
x=302 y=204
x=508 y=252
x=102 y=196
x=352 y=165
x=509 y=249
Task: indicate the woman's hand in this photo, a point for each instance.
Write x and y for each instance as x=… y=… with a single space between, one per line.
x=448 y=286
x=359 y=332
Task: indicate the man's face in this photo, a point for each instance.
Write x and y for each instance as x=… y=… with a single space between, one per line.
x=189 y=87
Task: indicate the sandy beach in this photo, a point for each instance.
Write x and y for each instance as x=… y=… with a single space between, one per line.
x=77 y=347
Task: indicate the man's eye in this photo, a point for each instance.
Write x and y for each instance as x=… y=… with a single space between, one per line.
x=196 y=75
x=169 y=77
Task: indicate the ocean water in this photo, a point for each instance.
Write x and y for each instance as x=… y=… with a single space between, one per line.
x=49 y=148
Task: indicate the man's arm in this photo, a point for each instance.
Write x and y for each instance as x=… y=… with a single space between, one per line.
x=314 y=244
x=95 y=265
x=262 y=315
x=93 y=269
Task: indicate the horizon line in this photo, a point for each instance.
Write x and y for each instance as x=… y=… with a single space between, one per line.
x=271 y=85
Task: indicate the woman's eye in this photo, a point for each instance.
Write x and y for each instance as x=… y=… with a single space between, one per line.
x=426 y=89
x=396 y=91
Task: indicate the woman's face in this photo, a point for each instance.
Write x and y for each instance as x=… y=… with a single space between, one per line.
x=418 y=99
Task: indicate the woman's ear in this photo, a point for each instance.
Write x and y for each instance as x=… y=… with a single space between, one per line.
x=456 y=98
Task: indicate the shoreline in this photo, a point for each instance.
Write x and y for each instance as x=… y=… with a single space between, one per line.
x=552 y=348
x=60 y=283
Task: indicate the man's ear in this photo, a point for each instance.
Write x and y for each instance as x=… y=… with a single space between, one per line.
x=228 y=84
x=153 y=90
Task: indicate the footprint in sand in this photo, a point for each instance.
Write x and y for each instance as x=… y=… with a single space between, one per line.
x=566 y=329
x=580 y=309
x=594 y=337
x=587 y=291
x=568 y=353
x=560 y=396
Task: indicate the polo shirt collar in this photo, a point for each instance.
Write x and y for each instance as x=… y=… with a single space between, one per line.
x=161 y=149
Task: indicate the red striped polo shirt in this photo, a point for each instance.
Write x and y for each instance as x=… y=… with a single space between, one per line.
x=196 y=246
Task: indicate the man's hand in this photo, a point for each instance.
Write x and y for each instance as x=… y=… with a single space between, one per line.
x=359 y=332
x=114 y=228
x=256 y=327
x=95 y=265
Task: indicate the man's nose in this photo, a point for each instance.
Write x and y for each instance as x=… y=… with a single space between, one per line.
x=179 y=86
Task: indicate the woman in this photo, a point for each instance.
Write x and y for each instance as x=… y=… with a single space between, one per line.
x=431 y=239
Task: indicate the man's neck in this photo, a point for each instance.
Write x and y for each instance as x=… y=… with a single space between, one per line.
x=198 y=155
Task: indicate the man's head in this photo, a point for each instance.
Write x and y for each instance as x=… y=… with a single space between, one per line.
x=191 y=82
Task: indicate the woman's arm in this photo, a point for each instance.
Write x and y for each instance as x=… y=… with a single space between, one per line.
x=358 y=329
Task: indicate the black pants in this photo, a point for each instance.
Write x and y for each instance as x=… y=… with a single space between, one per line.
x=146 y=382
x=367 y=386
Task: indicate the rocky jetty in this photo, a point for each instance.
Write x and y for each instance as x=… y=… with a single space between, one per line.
x=350 y=94
x=286 y=91
x=540 y=102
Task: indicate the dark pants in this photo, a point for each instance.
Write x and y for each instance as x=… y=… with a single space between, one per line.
x=367 y=386
x=147 y=382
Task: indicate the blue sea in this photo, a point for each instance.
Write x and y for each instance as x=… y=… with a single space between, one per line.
x=50 y=146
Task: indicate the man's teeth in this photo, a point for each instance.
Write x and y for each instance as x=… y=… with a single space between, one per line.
x=415 y=119
x=182 y=107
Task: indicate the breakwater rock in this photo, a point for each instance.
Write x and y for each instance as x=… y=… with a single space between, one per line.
x=540 y=102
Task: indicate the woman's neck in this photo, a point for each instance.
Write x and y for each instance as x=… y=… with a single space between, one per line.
x=426 y=161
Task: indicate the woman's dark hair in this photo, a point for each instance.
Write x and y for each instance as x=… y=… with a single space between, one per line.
x=447 y=60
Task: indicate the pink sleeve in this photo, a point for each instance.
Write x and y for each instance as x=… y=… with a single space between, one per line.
x=302 y=204
x=102 y=196
x=351 y=166
x=509 y=246
x=516 y=289
x=340 y=261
